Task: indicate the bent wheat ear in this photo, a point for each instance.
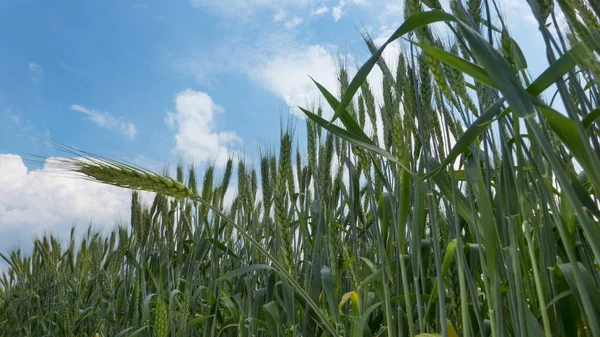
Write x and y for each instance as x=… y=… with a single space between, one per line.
x=123 y=175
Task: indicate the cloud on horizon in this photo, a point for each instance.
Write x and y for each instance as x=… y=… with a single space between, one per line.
x=34 y=202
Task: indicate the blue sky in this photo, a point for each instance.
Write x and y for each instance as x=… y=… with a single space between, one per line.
x=124 y=62
x=155 y=81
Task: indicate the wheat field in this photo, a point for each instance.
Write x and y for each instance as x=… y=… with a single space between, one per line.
x=464 y=205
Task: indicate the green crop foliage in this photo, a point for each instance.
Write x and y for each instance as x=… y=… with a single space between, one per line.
x=464 y=204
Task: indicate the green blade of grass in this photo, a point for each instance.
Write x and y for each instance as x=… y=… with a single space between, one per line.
x=460 y=64
x=590 y=118
x=414 y=22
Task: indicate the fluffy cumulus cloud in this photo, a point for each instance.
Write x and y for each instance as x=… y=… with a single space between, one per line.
x=282 y=64
x=105 y=120
x=193 y=121
x=286 y=73
x=36 y=72
x=282 y=61
x=34 y=202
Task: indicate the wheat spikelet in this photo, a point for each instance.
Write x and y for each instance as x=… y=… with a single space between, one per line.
x=457 y=82
x=456 y=129
x=161 y=324
x=299 y=169
x=226 y=179
x=397 y=132
x=285 y=162
x=146 y=225
x=266 y=184
x=325 y=165
x=235 y=204
x=371 y=109
x=546 y=8
x=378 y=179
x=105 y=286
x=508 y=50
x=123 y=239
x=284 y=227
x=320 y=114
x=387 y=113
x=474 y=10
x=569 y=10
x=124 y=175
x=207 y=187
x=400 y=75
x=436 y=70
x=363 y=161
x=410 y=96
x=411 y=7
x=192 y=180
x=587 y=16
x=253 y=184
x=312 y=149
x=433 y=4
x=573 y=93
x=459 y=12
x=426 y=93
x=179 y=172
x=273 y=170
x=281 y=175
x=361 y=111
x=343 y=80
x=304 y=186
x=337 y=184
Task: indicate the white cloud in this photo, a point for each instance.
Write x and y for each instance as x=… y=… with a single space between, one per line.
x=293 y=23
x=320 y=10
x=286 y=73
x=36 y=201
x=277 y=61
x=279 y=16
x=36 y=72
x=194 y=123
x=105 y=120
x=337 y=12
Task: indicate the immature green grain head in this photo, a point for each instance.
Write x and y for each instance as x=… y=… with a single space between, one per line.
x=161 y=324
x=123 y=175
x=192 y=182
